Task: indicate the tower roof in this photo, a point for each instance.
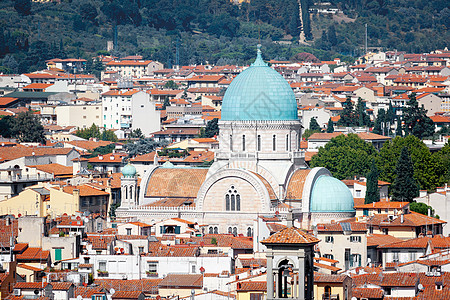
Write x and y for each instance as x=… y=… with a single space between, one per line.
x=259 y=93
x=329 y=194
x=291 y=235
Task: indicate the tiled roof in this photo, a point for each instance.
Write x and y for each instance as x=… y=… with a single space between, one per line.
x=223 y=240
x=61 y=286
x=437 y=241
x=33 y=254
x=328 y=267
x=56 y=169
x=324 y=136
x=87 y=292
x=10 y=153
x=381 y=239
x=318 y=277
x=182 y=281
x=126 y=295
x=411 y=219
x=384 y=205
x=272 y=195
x=173 y=202
x=89 y=145
x=85 y=190
x=251 y=262
x=275 y=227
x=28 y=267
x=148 y=286
x=252 y=286
x=108 y=158
x=369 y=293
x=296 y=184
x=30 y=285
x=291 y=235
x=175 y=182
x=338 y=227
x=129 y=63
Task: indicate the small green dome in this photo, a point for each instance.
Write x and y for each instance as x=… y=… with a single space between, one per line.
x=259 y=93
x=329 y=194
x=129 y=171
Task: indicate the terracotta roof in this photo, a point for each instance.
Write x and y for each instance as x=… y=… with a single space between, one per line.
x=129 y=63
x=175 y=182
x=223 y=240
x=30 y=285
x=56 y=169
x=411 y=219
x=296 y=184
x=275 y=227
x=89 y=145
x=324 y=136
x=4 y=101
x=381 y=239
x=148 y=286
x=33 y=254
x=272 y=195
x=182 y=281
x=10 y=153
x=126 y=295
x=369 y=293
x=85 y=190
x=291 y=235
x=437 y=241
x=61 y=286
x=37 y=86
x=318 y=277
x=28 y=267
x=384 y=205
x=328 y=267
x=252 y=286
x=337 y=227
x=88 y=292
x=108 y=158
x=372 y=136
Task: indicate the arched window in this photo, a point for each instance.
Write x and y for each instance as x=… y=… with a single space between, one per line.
x=126 y=192
x=232 y=230
x=287 y=142
x=211 y=230
x=235 y=231
x=243 y=142
x=249 y=231
x=216 y=230
x=131 y=192
x=274 y=142
x=232 y=200
x=231 y=142
x=297 y=141
x=258 y=143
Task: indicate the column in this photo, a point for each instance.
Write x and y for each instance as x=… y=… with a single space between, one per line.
x=269 y=276
x=277 y=291
x=301 y=277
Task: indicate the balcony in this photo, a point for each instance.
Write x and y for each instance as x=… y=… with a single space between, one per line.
x=328 y=296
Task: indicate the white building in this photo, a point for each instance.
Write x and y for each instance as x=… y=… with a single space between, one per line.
x=81 y=116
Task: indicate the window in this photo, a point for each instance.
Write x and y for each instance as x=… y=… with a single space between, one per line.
x=395 y=256
x=249 y=231
x=287 y=142
x=355 y=239
x=128 y=231
x=102 y=265
x=329 y=239
x=243 y=142
x=232 y=200
x=141 y=250
x=274 y=142
x=358 y=193
x=329 y=256
x=213 y=230
x=258 y=146
x=412 y=256
x=231 y=142
x=257 y=296
x=153 y=266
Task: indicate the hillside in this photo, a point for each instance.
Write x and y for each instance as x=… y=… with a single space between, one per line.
x=215 y=31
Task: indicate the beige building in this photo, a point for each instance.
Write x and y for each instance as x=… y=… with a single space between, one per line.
x=134 y=68
x=81 y=116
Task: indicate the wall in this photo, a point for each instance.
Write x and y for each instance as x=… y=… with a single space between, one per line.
x=144 y=114
x=81 y=116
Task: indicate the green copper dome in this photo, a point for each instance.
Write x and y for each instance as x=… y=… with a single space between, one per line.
x=259 y=93
x=129 y=171
x=331 y=195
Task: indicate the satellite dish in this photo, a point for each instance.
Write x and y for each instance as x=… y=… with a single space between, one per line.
x=79 y=297
x=369 y=260
x=112 y=291
x=354 y=298
x=420 y=286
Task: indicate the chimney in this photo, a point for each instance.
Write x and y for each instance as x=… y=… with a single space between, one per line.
x=290 y=219
x=402 y=218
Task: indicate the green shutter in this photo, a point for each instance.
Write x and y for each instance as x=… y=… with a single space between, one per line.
x=58 y=255
x=177 y=229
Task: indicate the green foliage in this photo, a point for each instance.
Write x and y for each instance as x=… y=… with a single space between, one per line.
x=372 y=192
x=416 y=121
x=166 y=103
x=102 y=150
x=112 y=211
x=213 y=241
x=378 y=127
x=26 y=127
x=345 y=156
x=404 y=187
x=211 y=129
x=427 y=168
x=144 y=146
x=348 y=115
x=308 y=132
x=399 y=129
x=171 y=85
x=6 y=124
x=137 y=134
x=313 y=125
x=421 y=208
x=361 y=113
x=87 y=133
x=330 y=126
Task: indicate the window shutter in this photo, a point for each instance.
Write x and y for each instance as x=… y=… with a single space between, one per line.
x=177 y=229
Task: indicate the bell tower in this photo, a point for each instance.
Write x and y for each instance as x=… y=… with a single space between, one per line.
x=128 y=184
x=290 y=272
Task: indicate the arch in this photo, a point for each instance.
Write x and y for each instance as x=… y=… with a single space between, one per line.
x=308 y=186
x=244 y=175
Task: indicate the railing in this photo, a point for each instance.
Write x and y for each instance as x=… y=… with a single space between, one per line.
x=327 y=296
x=20 y=178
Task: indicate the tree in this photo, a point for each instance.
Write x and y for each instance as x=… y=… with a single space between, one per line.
x=144 y=146
x=379 y=122
x=171 y=85
x=87 y=133
x=427 y=168
x=421 y=208
x=416 y=120
x=23 y=7
x=345 y=156
x=330 y=126
x=137 y=134
x=404 y=187
x=6 y=124
x=348 y=116
x=363 y=117
x=27 y=128
x=166 y=103
x=398 y=130
x=108 y=135
x=372 y=192
x=390 y=114
x=313 y=125
x=211 y=129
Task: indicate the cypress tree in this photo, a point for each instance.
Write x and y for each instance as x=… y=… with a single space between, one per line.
x=405 y=187
x=399 y=131
x=330 y=126
x=381 y=116
x=313 y=125
x=372 y=191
